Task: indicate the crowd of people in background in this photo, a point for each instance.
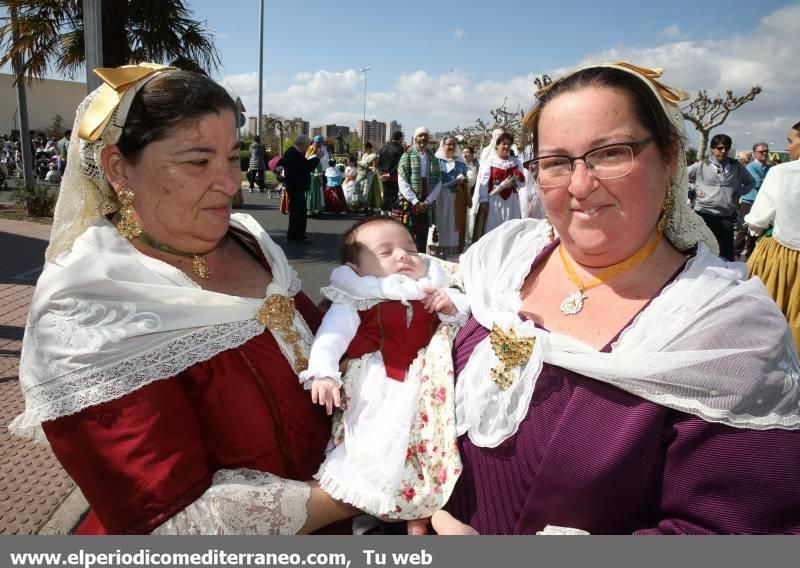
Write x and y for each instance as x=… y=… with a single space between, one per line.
x=48 y=157
x=440 y=190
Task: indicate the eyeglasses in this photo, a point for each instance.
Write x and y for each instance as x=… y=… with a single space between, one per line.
x=761 y=151
x=606 y=162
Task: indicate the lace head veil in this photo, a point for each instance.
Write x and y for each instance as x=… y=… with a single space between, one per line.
x=684 y=229
x=440 y=152
x=85 y=193
x=489 y=150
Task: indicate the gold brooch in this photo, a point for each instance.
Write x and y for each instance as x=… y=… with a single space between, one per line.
x=512 y=351
x=277 y=314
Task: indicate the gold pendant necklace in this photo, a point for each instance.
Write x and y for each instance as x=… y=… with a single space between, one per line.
x=573 y=303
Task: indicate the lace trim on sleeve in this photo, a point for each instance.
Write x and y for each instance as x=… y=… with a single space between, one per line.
x=244 y=501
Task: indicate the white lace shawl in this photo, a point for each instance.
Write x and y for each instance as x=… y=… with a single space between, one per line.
x=712 y=344
x=106 y=320
x=352 y=293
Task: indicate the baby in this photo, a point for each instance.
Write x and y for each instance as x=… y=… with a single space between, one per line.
x=395 y=454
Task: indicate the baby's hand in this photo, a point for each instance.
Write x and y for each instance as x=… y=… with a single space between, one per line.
x=325 y=391
x=436 y=300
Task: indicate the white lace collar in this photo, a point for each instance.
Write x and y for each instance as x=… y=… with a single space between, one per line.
x=711 y=344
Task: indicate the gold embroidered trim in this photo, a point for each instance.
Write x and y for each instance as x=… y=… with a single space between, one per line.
x=277 y=314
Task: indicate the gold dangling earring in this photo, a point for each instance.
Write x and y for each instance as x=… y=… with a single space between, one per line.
x=127 y=224
x=551 y=232
x=666 y=209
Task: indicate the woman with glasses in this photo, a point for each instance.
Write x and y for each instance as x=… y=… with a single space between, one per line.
x=776 y=259
x=499 y=179
x=617 y=376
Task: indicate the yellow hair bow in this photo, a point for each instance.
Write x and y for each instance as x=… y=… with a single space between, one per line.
x=116 y=81
x=671 y=94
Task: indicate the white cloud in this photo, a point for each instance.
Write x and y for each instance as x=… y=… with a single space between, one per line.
x=458 y=34
x=440 y=102
x=672 y=32
x=766 y=56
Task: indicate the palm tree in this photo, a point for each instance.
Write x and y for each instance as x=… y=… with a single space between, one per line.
x=50 y=36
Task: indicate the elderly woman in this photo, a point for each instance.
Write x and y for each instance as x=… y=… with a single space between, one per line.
x=776 y=259
x=618 y=376
x=165 y=333
x=454 y=199
x=499 y=180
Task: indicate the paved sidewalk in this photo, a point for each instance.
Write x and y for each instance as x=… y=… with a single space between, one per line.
x=33 y=486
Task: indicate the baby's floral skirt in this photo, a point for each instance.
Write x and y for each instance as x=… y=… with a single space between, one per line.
x=394 y=451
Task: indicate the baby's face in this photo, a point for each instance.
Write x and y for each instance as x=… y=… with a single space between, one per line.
x=386 y=249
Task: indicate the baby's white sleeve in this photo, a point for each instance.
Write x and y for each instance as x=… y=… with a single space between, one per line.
x=338 y=328
x=461 y=302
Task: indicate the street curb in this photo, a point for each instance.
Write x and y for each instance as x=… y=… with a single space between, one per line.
x=67 y=515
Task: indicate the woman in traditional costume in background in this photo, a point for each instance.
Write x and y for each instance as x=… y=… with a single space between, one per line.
x=499 y=181
x=776 y=258
x=368 y=182
x=315 y=198
x=454 y=200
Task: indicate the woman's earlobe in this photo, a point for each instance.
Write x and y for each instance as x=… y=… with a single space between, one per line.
x=114 y=168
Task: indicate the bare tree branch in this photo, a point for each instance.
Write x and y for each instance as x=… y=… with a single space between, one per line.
x=706 y=113
x=480 y=133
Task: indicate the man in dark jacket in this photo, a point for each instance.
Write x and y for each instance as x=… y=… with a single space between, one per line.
x=297 y=170
x=388 y=159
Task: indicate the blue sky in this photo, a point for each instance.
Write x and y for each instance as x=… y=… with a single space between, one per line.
x=520 y=37
x=448 y=63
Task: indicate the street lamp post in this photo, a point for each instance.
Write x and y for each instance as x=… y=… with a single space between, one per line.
x=259 y=126
x=364 y=123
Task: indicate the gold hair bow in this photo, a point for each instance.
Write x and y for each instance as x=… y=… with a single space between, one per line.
x=116 y=81
x=671 y=94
